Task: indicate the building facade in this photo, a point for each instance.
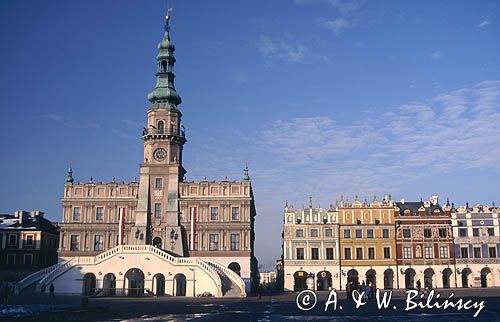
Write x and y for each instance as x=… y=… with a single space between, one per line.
x=477 y=245
x=310 y=248
x=400 y=245
x=425 y=244
x=28 y=242
x=186 y=229
x=367 y=243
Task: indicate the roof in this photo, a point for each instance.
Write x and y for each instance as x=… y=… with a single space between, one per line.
x=10 y=222
x=414 y=206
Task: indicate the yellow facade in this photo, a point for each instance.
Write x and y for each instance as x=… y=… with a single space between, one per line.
x=367 y=234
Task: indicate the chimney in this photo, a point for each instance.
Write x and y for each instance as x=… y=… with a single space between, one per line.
x=21 y=215
x=36 y=213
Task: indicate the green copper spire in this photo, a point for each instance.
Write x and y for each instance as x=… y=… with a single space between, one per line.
x=164 y=94
x=69 y=178
x=246 y=177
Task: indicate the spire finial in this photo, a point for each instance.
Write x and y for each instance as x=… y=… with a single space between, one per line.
x=246 y=177
x=310 y=202
x=167 y=18
x=69 y=178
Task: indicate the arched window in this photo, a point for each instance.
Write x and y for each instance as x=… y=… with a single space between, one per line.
x=161 y=127
x=164 y=66
x=418 y=251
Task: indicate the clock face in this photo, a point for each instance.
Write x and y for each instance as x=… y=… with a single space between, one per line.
x=160 y=154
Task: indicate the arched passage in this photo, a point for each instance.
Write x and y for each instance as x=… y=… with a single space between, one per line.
x=466 y=277
x=324 y=281
x=388 y=279
x=134 y=282
x=446 y=277
x=428 y=278
x=486 y=276
x=180 y=284
x=157 y=242
x=109 y=284
x=299 y=280
x=353 y=277
x=235 y=267
x=371 y=277
x=159 y=284
x=410 y=278
x=88 y=284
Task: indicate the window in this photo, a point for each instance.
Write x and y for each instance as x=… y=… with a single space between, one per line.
x=235 y=213
x=492 y=252
x=491 y=232
x=462 y=232
x=158 y=183
x=299 y=233
x=12 y=240
x=428 y=252
x=371 y=253
x=99 y=213
x=314 y=233
x=214 y=213
x=464 y=252
x=235 y=242
x=347 y=253
x=76 y=214
x=369 y=233
x=11 y=259
x=214 y=241
x=75 y=243
x=477 y=252
x=29 y=240
x=359 y=253
x=359 y=233
x=28 y=259
x=442 y=232
x=385 y=233
x=328 y=232
x=347 y=233
x=315 y=253
x=329 y=253
x=387 y=252
x=443 y=252
x=157 y=210
x=98 y=243
x=406 y=233
x=300 y=253
x=475 y=232
x=406 y=252
x=427 y=233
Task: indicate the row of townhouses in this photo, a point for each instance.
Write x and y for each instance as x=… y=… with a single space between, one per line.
x=394 y=245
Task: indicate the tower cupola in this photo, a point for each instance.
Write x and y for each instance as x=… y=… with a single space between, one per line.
x=164 y=94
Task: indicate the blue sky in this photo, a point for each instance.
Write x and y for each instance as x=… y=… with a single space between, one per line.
x=320 y=97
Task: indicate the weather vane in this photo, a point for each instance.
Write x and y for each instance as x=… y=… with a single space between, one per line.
x=167 y=18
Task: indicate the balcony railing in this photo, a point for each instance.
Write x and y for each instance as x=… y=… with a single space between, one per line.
x=165 y=131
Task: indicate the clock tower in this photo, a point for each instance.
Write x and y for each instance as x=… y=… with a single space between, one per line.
x=157 y=214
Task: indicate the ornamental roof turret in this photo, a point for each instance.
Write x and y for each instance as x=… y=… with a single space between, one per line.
x=69 y=178
x=164 y=94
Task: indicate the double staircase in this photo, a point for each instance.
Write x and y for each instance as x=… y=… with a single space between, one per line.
x=228 y=282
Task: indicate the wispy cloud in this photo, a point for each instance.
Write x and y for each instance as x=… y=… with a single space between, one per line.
x=343 y=6
x=436 y=55
x=337 y=25
x=452 y=131
x=68 y=121
x=282 y=49
x=483 y=23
